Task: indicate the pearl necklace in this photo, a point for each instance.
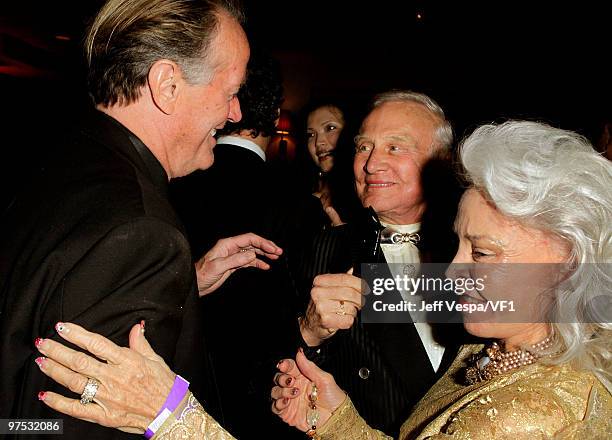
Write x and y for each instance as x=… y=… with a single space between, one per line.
x=494 y=361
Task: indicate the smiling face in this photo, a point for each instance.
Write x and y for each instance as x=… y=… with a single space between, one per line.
x=207 y=107
x=324 y=125
x=486 y=240
x=394 y=143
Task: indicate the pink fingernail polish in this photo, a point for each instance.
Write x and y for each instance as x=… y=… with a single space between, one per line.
x=42 y=395
x=60 y=327
x=38 y=341
x=39 y=361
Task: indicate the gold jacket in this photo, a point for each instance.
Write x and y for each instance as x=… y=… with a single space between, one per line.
x=533 y=402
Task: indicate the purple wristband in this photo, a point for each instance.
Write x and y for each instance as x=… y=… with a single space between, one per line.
x=177 y=393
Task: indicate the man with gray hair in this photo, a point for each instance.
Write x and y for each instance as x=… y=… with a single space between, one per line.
x=94 y=239
x=386 y=368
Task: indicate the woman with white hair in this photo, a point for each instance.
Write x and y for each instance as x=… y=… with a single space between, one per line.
x=538 y=197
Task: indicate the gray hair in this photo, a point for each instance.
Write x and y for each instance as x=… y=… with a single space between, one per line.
x=128 y=36
x=553 y=180
x=444 y=131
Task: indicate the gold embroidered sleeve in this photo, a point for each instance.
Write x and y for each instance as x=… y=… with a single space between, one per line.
x=346 y=423
x=189 y=420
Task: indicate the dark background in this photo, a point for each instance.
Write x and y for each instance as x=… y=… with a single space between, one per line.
x=482 y=62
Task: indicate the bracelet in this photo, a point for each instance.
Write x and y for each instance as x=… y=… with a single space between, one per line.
x=177 y=393
x=312 y=416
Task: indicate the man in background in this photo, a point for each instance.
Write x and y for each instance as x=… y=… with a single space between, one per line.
x=235 y=193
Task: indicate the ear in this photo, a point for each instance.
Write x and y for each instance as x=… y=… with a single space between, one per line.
x=165 y=85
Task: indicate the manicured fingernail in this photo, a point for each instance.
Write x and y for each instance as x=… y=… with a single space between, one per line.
x=294 y=392
x=42 y=395
x=142 y=326
x=38 y=342
x=301 y=350
x=60 y=327
x=288 y=381
x=39 y=361
x=280 y=363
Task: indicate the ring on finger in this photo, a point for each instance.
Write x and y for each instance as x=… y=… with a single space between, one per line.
x=341 y=310
x=90 y=390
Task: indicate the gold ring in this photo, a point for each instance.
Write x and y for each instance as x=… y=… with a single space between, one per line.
x=341 y=311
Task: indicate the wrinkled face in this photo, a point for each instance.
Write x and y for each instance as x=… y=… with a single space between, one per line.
x=394 y=143
x=207 y=107
x=518 y=264
x=323 y=128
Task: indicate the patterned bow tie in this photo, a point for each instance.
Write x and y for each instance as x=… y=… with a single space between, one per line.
x=391 y=236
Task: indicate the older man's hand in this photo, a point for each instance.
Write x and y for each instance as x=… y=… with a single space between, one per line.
x=230 y=254
x=335 y=300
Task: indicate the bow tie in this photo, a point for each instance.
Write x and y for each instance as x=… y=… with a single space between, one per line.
x=391 y=236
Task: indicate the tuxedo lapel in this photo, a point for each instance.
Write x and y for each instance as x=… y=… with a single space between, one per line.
x=400 y=342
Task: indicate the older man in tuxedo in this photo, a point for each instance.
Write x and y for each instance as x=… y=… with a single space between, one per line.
x=387 y=367
x=93 y=239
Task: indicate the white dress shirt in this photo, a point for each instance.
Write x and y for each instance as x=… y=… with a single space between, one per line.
x=408 y=253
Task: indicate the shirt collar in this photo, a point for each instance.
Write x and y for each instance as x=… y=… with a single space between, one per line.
x=244 y=143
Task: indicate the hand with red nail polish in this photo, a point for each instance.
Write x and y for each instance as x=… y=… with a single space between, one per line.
x=294 y=383
x=133 y=384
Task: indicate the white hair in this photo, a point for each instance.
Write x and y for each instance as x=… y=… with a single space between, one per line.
x=444 y=130
x=553 y=180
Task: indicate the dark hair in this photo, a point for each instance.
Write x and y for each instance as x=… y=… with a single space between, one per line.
x=316 y=105
x=309 y=169
x=128 y=36
x=340 y=178
x=260 y=97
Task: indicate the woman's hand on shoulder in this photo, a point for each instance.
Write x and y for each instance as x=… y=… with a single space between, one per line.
x=133 y=383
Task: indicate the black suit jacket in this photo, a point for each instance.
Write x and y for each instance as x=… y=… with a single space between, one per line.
x=229 y=198
x=93 y=240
